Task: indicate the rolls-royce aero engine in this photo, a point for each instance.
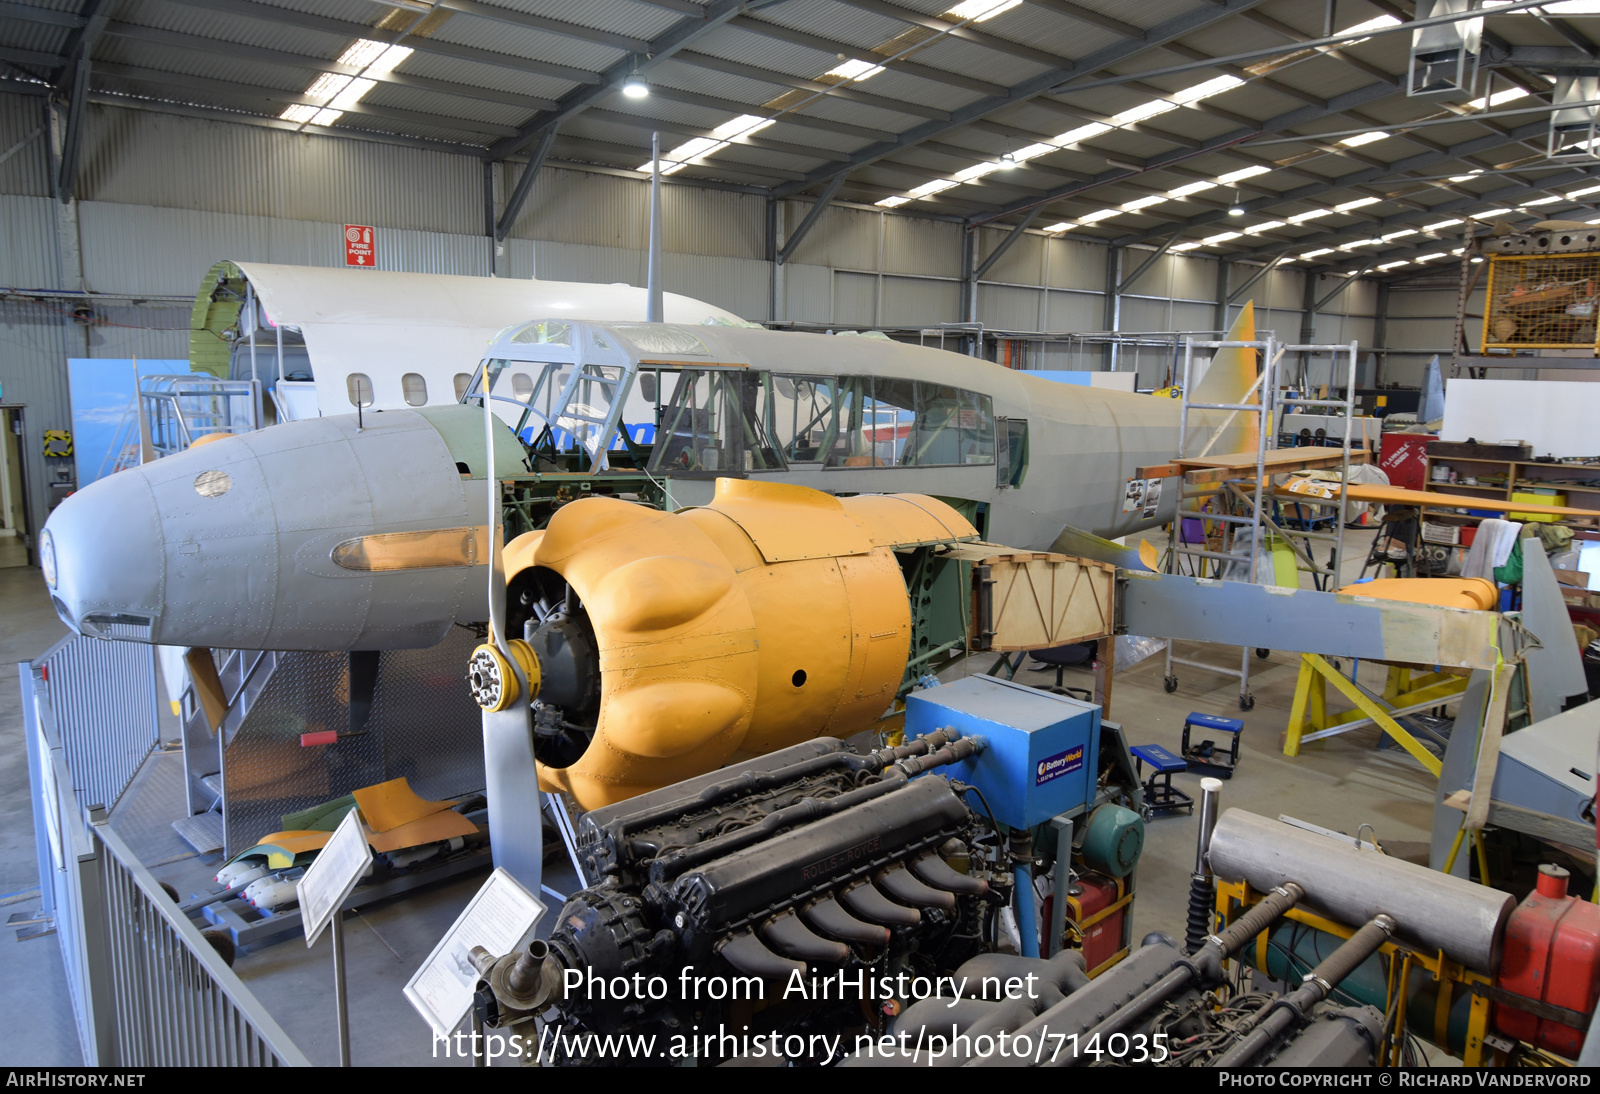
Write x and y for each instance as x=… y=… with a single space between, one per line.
x=857 y=904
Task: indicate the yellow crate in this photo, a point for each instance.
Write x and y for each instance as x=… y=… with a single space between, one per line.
x=1543 y=302
x=1537 y=499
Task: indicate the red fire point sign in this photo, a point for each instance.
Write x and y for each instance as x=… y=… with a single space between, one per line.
x=359 y=248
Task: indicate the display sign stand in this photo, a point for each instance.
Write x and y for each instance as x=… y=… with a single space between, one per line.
x=328 y=881
x=500 y=917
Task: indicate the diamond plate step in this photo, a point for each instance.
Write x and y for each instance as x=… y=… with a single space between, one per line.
x=203 y=832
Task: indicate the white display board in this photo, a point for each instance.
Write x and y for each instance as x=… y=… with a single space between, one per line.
x=500 y=918
x=1557 y=417
x=341 y=863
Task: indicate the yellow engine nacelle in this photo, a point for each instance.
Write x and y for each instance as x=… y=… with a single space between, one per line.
x=772 y=615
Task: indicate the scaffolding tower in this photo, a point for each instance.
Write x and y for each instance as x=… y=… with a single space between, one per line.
x=1245 y=480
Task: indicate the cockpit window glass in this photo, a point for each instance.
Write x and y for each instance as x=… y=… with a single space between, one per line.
x=977 y=428
x=544 y=333
x=798 y=411
x=659 y=338
x=888 y=420
x=713 y=423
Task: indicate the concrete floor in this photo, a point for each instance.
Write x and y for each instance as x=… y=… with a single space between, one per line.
x=1340 y=784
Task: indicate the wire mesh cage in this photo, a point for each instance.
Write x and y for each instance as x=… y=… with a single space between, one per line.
x=1542 y=301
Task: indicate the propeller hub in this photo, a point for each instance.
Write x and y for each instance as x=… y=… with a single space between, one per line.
x=491 y=680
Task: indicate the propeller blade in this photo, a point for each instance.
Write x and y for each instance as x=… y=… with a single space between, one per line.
x=511 y=781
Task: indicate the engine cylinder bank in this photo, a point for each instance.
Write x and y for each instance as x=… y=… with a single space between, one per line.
x=775 y=614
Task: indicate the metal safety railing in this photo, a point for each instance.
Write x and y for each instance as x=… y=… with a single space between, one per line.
x=146 y=988
x=106 y=701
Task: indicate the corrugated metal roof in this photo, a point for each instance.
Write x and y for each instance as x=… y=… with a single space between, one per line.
x=823 y=26
x=617 y=16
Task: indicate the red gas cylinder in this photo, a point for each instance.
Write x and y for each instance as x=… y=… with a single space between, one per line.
x=1552 y=955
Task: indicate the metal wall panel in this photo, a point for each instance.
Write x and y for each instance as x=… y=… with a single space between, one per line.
x=1023 y=264
x=915 y=246
x=27 y=171
x=738 y=284
x=35 y=342
x=844 y=238
x=139 y=249
x=1172 y=275
x=1074 y=264
x=1074 y=311
x=605 y=210
x=29 y=258
x=855 y=299
x=1432 y=334
x=1285 y=288
x=919 y=301
x=1436 y=303
x=1008 y=307
x=140 y=157
x=807 y=293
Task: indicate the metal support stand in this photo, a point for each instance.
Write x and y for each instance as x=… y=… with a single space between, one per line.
x=1309 y=719
x=1058 y=906
x=340 y=988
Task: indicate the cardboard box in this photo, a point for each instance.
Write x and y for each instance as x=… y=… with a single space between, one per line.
x=1576 y=578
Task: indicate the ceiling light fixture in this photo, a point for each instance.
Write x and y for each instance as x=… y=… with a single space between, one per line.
x=1237 y=208
x=635 y=86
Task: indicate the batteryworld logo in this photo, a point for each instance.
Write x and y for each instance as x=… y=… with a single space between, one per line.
x=1062 y=763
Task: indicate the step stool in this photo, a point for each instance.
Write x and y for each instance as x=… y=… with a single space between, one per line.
x=1203 y=758
x=1160 y=796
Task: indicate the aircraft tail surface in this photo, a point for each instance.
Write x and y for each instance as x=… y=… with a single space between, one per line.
x=1230 y=376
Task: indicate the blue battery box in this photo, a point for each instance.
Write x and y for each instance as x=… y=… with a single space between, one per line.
x=1044 y=749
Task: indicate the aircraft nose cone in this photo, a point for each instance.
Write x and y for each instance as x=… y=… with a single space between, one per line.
x=102 y=559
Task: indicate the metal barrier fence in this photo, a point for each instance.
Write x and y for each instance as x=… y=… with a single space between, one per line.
x=147 y=988
x=107 y=710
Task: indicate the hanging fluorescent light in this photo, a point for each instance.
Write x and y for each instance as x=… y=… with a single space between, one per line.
x=1363 y=138
x=1358 y=203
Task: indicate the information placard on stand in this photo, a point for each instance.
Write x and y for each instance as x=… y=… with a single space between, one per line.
x=500 y=918
x=341 y=863
x=322 y=890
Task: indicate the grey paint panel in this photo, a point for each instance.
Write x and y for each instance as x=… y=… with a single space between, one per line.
x=249 y=566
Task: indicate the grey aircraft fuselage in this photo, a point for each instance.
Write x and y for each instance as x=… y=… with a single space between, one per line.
x=347 y=533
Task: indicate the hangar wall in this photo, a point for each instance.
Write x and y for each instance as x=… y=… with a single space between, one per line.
x=162 y=196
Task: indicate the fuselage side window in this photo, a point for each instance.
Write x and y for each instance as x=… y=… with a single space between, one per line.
x=358 y=385
x=414 y=388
